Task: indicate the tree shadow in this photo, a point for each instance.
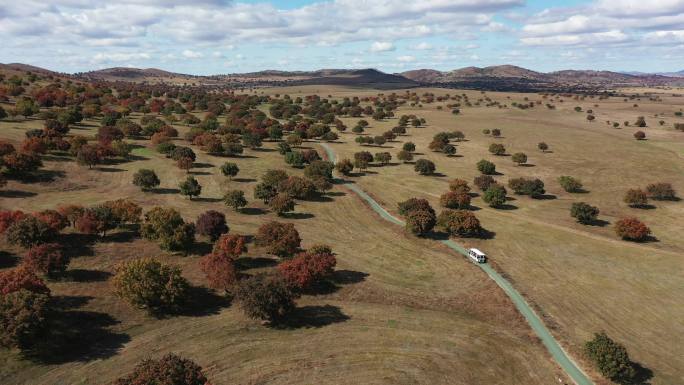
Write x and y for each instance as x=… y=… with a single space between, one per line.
x=346 y=277
x=244 y=180
x=76 y=335
x=336 y=193
x=598 y=223
x=642 y=375
x=17 y=194
x=203 y=302
x=263 y=149
x=161 y=190
x=7 y=259
x=110 y=169
x=320 y=198
x=78 y=245
x=506 y=206
x=202 y=165
x=544 y=197
x=42 y=176
x=644 y=207
x=86 y=275
x=207 y=200
x=200 y=248
x=437 y=174
x=298 y=215
x=122 y=236
x=312 y=317
x=253 y=211
x=199 y=173
x=56 y=158
x=246 y=263
x=527 y=165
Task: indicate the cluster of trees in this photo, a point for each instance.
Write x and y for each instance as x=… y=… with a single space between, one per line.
x=421 y=218
x=170 y=369
x=279 y=190
x=441 y=142
x=531 y=187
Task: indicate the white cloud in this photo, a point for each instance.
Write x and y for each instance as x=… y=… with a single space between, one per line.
x=190 y=54
x=119 y=57
x=406 y=58
x=423 y=46
x=382 y=46
x=610 y=37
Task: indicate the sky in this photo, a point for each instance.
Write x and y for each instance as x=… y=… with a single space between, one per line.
x=222 y=36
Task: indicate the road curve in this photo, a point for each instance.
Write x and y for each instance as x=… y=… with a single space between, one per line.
x=554 y=348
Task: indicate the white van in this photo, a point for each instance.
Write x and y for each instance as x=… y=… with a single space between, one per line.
x=477 y=256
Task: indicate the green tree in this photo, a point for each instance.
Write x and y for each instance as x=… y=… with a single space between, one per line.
x=424 y=167
x=519 y=158
x=543 y=147
x=23 y=318
x=409 y=146
x=295 y=159
x=570 y=184
x=610 y=358
x=497 y=149
x=486 y=167
x=29 y=231
x=405 y=156
x=345 y=167
x=265 y=297
x=230 y=169
x=495 y=195
x=235 y=199
x=145 y=179
x=583 y=212
x=151 y=285
x=190 y=187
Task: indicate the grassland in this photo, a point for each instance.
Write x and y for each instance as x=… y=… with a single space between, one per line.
x=583 y=278
x=401 y=310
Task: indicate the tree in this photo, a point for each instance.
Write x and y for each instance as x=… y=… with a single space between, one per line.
x=47 y=258
x=54 y=219
x=459 y=223
x=265 y=297
x=168 y=227
x=420 y=222
x=636 y=198
x=29 y=231
x=486 y=167
x=405 y=156
x=383 y=157
x=640 y=122
x=497 y=149
x=168 y=370
x=146 y=179
x=190 y=187
x=519 y=158
x=235 y=199
x=409 y=146
x=543 y=146
x=230 y=169
x=483 y=182
x=281 y=239
x=308 y=268
x=319 y=169
x=362 y=159
x=570 y=184
x=455 y=200
x=413 y=204
x=21 y=278
x=150 y=284
x=640 y=135
x=89 y=155
x=632 y=229
x=230 y=245
x=211 y=224
x=583 y=212
x=449 y=150
x=23 y=316
x=251 y=140
x=496 y=132
x=298 y=187
x=281 y=203
x=610 y=358
x=424 y=167
x=220 y=271
x=531 y=187
x=459 y=186
x=344 y=167
x=661 y=191
x=21 y=163
x=183 y=152
x=124 y=211
x=294 y=159
x=495 y=195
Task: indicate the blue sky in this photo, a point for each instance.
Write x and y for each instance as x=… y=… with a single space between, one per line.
x=223 y=36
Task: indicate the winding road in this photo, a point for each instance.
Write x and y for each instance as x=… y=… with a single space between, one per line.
x=554 y=348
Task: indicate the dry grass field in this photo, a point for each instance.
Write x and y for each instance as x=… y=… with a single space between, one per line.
x=401 y=310
x=583 y=278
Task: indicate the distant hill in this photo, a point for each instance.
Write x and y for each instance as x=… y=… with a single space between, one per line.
x=345 y=77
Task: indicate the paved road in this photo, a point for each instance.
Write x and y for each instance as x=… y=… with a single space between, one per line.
x=561 y=357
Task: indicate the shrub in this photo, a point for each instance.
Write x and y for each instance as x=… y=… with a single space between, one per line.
x=47 y=258
x=639 y=135
x=281 y=203
x=496 y=132
x=636 y=198
x=459 y=223
x=519 y=158
x=495 y=195
x=632 y=229
x=583 y=212
x=23 y=316
x=281 y=239
x=497 y=149
x=230 y=169
x=190 y=187
x=344 y=167
x=145 y=179
x=531 y=187
x=570 y=184
x=235 y=199
x=265 y=297
x=483 y=182
x=420 y=222
x=610 y=358
x=661 y=191
x=29 y=231
x=21 y=278
x=308 y=268
x=486 y=167
x=212 y=224
x=424 y=167
x=168 y=370
x=150 y=284
x=455 y=200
